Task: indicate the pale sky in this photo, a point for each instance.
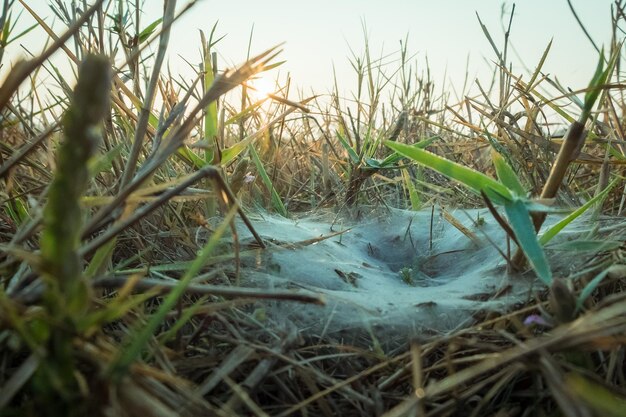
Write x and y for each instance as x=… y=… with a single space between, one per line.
x=320 y=33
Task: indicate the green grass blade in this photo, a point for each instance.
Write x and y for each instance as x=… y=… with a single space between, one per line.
x=354 y=157
x=149 y=30
x=392 y=159
x=589 y=288
x=599 y=79
x=475 y=180
x=17 y=211
x=140 y=339
x=104 y=162
x=277 y=203
x=229 y=154
x=101 y=257
x=506 y=175
x=554 y=230
x=520 y=221
x=210 y=112
x=540 y=65
x=414 y=197
x=190 y=156
x=186 y=315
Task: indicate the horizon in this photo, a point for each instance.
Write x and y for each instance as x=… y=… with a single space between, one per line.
x=464 y=53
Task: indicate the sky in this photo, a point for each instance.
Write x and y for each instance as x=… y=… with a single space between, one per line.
x=444 y=34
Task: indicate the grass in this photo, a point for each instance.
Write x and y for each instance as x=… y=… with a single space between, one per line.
x=119 y=294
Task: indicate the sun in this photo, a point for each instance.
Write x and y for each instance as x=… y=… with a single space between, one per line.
x=260 y=88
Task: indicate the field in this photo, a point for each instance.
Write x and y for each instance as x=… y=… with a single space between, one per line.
x=218 y=246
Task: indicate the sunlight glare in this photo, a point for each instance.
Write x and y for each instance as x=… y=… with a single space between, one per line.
x=260 y=88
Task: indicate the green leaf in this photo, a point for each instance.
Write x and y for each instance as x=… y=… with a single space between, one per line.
x=145 y=34
x=18 y=212
x=506 y=175
x=416 y=203
x=600 y=77
x=589 y=288
x=592 y=94
x=475 y=180
x=277 y=203
x=6 y=32
x=392 y=159
x=354 y=157
x=539 y=66
x=245 y=112
x=554 y=230
x=101 y=257
x=5 y=35
x=231 y=153
x=522 y=226
x=210 y=112
x=372 y=163
x=104 y=162
x=186 y=153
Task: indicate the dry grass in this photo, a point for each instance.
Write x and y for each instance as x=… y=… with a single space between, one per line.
x=166 y=329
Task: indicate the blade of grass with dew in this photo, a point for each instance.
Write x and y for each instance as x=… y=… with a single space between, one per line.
x=519 y=218
x=554 y=230
x=128 y=355
x=277 y=203
x=475 y=180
